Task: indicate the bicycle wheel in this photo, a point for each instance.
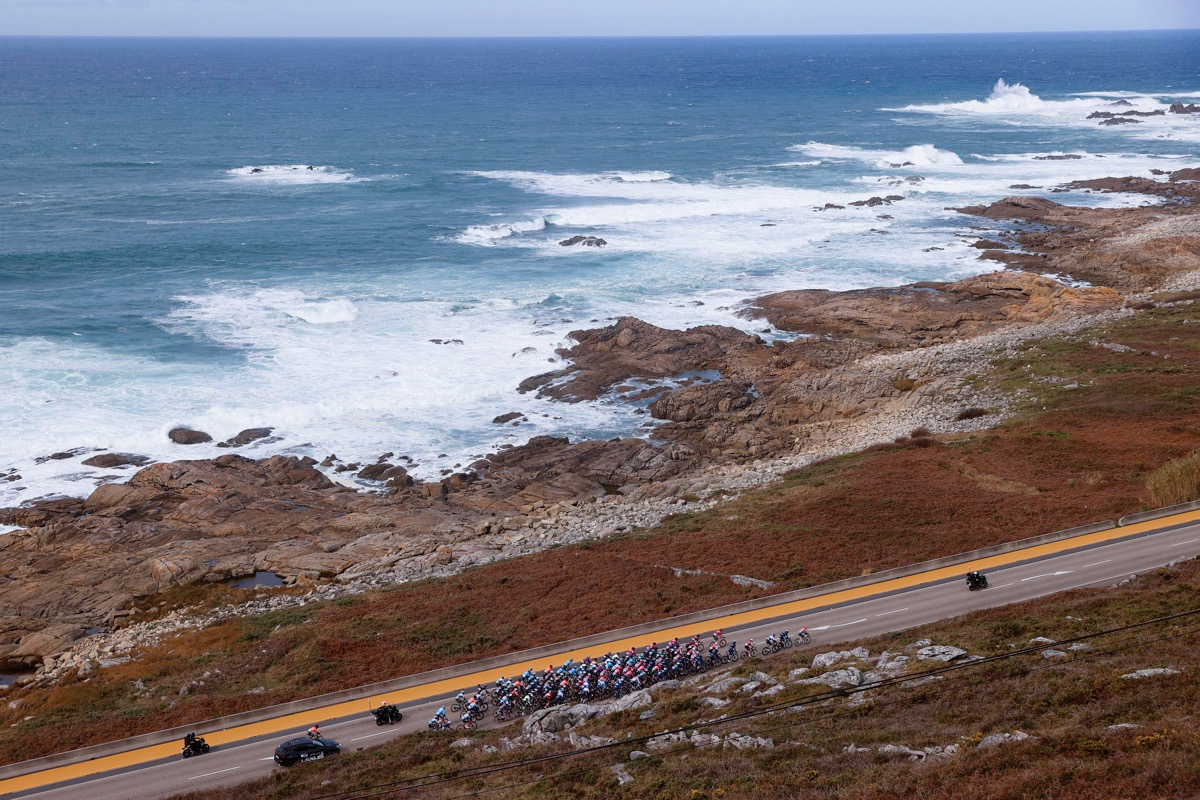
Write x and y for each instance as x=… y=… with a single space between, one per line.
x=456 y=707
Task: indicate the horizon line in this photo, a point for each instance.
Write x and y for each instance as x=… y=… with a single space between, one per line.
x=583 y=37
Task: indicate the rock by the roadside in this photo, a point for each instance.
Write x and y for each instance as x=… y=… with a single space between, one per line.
x=837 y=679
x=740 y=741
x=900 y=751
x=722 y=685
x=940 y=652
x=188 y=436
x=1150 y=673
x=638 y=699
x=1001 y=738
x=622 y=775
x=111 y=460
x=825 y=660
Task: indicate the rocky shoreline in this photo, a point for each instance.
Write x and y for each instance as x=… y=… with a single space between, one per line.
x=865 y=367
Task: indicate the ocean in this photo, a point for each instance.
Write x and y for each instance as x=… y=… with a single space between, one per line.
x=356 y=242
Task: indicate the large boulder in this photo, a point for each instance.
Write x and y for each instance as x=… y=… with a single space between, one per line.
x=188 y=436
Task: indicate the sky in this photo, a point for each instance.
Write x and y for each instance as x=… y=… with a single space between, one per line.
x=582 y=17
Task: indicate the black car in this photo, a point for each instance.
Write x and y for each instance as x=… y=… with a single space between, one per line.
x=305 y=749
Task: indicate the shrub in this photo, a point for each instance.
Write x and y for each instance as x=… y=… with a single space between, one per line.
x=971 y=413
x=1177 y=481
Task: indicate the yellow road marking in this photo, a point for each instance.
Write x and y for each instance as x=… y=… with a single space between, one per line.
x=299 y=721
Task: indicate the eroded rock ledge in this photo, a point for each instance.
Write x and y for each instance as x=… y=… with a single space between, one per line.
x=78 y=564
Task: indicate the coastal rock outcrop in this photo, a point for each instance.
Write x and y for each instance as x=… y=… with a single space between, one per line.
x=925 y=313
x=1126 y=249
x=188 y=436
x=584 y=241
x=631 y=348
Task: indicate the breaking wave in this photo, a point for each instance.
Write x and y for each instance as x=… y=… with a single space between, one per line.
x=292 y=174
x=919 y=155
x=1009 y=99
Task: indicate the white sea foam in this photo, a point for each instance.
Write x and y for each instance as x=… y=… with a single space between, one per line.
x=710 y=218
x=1006 y=99
x=1015 y=104
x=988 y=177
x=920 y=155
x=292 y=174
x=326 y=313
x=641 y=177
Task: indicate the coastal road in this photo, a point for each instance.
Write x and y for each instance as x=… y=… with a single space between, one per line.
x=242 y=753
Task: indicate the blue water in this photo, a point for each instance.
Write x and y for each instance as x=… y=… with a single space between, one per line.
x=151 y=277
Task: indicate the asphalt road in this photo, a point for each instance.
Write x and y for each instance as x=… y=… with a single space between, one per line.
x=1094 y=566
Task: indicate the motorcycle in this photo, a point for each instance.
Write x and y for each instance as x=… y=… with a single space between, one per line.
x=387 y=714
x=976 y=580
x=194 y=745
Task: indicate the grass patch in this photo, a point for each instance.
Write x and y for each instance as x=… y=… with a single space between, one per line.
x=1177 y=481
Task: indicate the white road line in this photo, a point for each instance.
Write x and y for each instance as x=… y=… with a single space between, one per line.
x=218 y=772
x=1048 y=575
x=897 y=611
x=1001 y=586
x=1098 y=563
x=370 y=735
x=1181 y=544
x=844 y=624
x=268 y=758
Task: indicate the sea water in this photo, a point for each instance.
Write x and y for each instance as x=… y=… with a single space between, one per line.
x=356 y=242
